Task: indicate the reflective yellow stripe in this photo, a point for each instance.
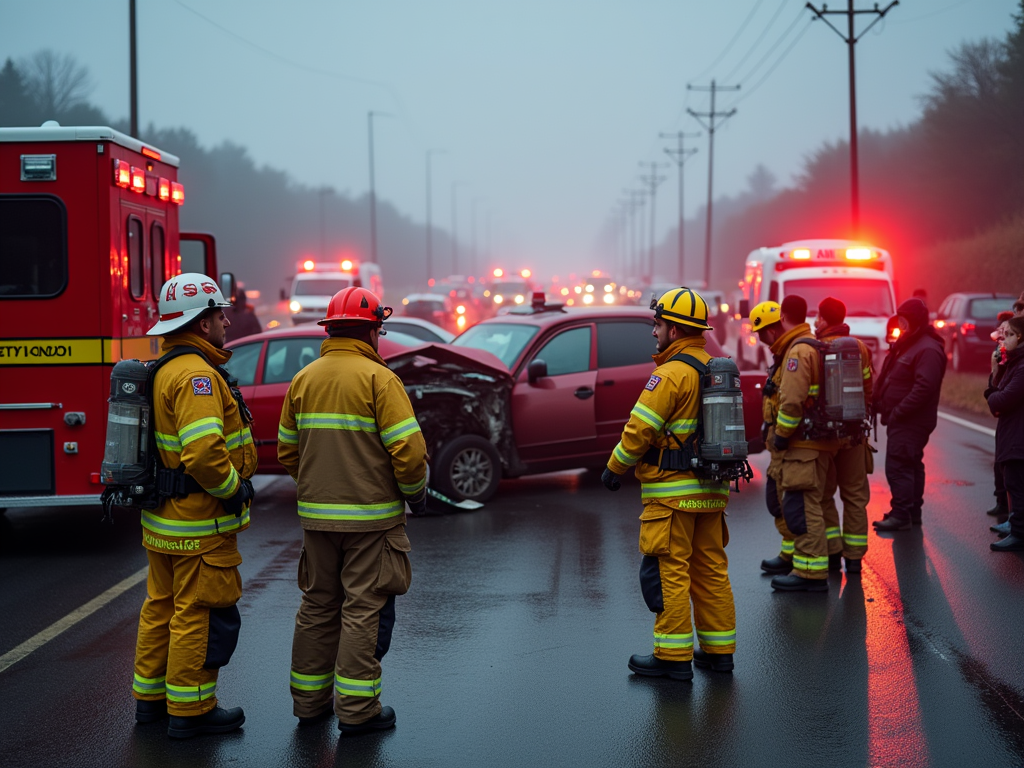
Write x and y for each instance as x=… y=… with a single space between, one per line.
x=191 y=692
x=347 y=686
x=398 y=431
x=717 y=637
x=287 y=436
x=201 y=428
x=662 y=640
x=303 y=682
x=647 y=416
x=149 y=685
x=623 y=456
x=788 y=421
x=349 y=421
x=692 y=487
x=193 y=528
x=315 y=511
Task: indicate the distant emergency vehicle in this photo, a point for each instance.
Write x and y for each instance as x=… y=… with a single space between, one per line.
x=858 y=274
x=316 y=282
x=88 y=235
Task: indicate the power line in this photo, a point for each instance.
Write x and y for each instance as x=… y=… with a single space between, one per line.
x=680 y=155
x=778 y=61
x=751 y=49
x=774 y=47
x=731 y=43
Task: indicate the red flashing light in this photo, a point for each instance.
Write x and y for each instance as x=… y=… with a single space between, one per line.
x=346 y=265
x=966 y=328
x=177 y=193
x=163 y=189
x=309 y=265
x=859 y=254
x=430 y=282
x=471 y=279
x=151 y=153
x=122 y=174
x=138 y=179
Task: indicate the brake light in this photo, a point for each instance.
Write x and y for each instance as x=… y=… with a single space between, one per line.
x=163 y=189
x=940 y=323
x=966 y=328
x=800 y=254
x=122 y=174
x=309 y=265
x=346 y=265
x=177 y=193
x=858 y=254
x=460 y=309
x=138 y=179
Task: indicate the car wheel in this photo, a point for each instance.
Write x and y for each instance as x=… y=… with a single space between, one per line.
x=958 y=357
x=467 y=468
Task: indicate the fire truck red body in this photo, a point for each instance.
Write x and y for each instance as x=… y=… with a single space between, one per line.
x=88 y=234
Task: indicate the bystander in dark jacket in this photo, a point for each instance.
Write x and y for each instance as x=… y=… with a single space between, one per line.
x=243 y=319
x=906 y=396
x=1006 y=401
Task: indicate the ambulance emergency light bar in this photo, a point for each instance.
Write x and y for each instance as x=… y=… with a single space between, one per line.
x=832 y=256
x=311 y=265
x=128 y=176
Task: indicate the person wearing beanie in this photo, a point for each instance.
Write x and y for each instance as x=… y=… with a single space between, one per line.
x=906 y=397
x=1006 y=402
x=999 y=357
x=853 y=461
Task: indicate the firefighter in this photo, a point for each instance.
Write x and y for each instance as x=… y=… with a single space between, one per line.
x=349 y=438
x=682 y=528
x=853 y=460
x=189 y=624
x=799 y=467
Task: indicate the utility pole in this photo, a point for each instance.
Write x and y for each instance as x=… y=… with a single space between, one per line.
x=373 y=191
x=430 y=232
x=474 y=256
x=652 y=180
x=710 y=127
x=681 y=154
x=455 y=238
x=133 y=80
x=851 y=41
x=324 y=191
x=635 y=201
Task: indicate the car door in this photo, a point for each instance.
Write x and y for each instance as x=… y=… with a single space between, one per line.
x=282 y=360
x=243 y=365
x=624 y=366
x=553 y=417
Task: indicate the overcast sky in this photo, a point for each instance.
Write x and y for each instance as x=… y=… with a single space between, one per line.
x=545 y=108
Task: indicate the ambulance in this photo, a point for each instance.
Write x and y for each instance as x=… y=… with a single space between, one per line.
x=88 y=234
x=316 y=282
x=858 y=274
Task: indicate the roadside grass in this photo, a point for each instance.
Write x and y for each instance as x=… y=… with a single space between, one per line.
x=965 y=392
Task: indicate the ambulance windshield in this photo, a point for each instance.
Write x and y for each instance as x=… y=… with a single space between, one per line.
x=863 y=298
x=319 y=287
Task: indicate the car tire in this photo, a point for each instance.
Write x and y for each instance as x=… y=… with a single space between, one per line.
x=468 y=467
x=958 y=357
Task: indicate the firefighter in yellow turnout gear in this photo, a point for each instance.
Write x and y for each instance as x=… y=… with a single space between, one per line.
x=350 y=439
x=854 y=460
x=800 y=467
x=189 y=623
x=682 y=528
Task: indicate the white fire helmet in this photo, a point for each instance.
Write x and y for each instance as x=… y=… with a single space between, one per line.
x=184 y=298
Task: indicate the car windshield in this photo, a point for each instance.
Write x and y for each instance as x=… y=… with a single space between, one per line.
x=987 y=309
x=319 y=287
x=503 y=340
x=863 y=298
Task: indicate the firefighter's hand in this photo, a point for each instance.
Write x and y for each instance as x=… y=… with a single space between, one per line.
x=417 y=503
x=243 y=496
x=781 y=443
x=610 y=480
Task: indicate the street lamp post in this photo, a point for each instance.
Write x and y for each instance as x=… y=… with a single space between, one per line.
x=430 y=232
x=455 y=237
x=474 y=256
x=373 y=191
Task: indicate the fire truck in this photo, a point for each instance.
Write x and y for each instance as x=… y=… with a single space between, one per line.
x=88 y=235
x=316 y=282
x=858 y=274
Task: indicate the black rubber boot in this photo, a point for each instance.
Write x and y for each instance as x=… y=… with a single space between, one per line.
x=852 y=566
x=777 y=565
x=652 y=666
x=999 y=510
x=794 y=583
x=319 y=717
x=890 y=524
x=150 y=711
x=835 y=562
x=716 y=662
x=380 y=722
x=217 y=720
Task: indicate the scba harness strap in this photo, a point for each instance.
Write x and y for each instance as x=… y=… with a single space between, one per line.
x=680 y=459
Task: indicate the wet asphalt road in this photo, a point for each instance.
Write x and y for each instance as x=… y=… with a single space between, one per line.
x=511 y=646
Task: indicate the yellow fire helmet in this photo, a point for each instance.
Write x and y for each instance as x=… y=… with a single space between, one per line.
x=684 y=306
x=764 y=314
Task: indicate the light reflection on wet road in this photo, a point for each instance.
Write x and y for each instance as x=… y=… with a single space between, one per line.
x=511 y=647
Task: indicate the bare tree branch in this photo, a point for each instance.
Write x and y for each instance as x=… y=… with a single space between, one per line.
x=55 y=81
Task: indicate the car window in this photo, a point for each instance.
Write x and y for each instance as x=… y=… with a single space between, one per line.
x=987 y=309
x=624 y=343
x=242 y=364
x=503 y=340
x=568 y=352
x=416 y=331
x=286 y=357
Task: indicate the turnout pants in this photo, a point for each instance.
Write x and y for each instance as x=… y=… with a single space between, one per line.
x=802 y=477
x=904 y=470
x=850 y=474
x=344 y=624
x=833 y=533
x=684 y=561
x=188 y=628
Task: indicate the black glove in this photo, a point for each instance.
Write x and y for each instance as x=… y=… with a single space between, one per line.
x=244 y=495
x=610 y=480
x=418 y=503
x=765 y=426
x=781 y=443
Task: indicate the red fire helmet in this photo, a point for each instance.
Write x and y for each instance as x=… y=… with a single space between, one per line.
x=355 y=305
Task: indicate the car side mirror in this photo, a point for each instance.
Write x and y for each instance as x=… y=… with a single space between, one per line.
x=537 y=369
x=228 y=287
x=744 y=308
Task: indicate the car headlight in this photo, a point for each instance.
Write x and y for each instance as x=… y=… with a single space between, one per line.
x=609 y=298
x=519 y=298
x=294 y=306
x=498 y=298
x=461 y=321
x=588 y=298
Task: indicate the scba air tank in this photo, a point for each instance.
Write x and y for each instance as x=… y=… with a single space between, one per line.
x=725 y=438
x=844 y=381
x=129 y=420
